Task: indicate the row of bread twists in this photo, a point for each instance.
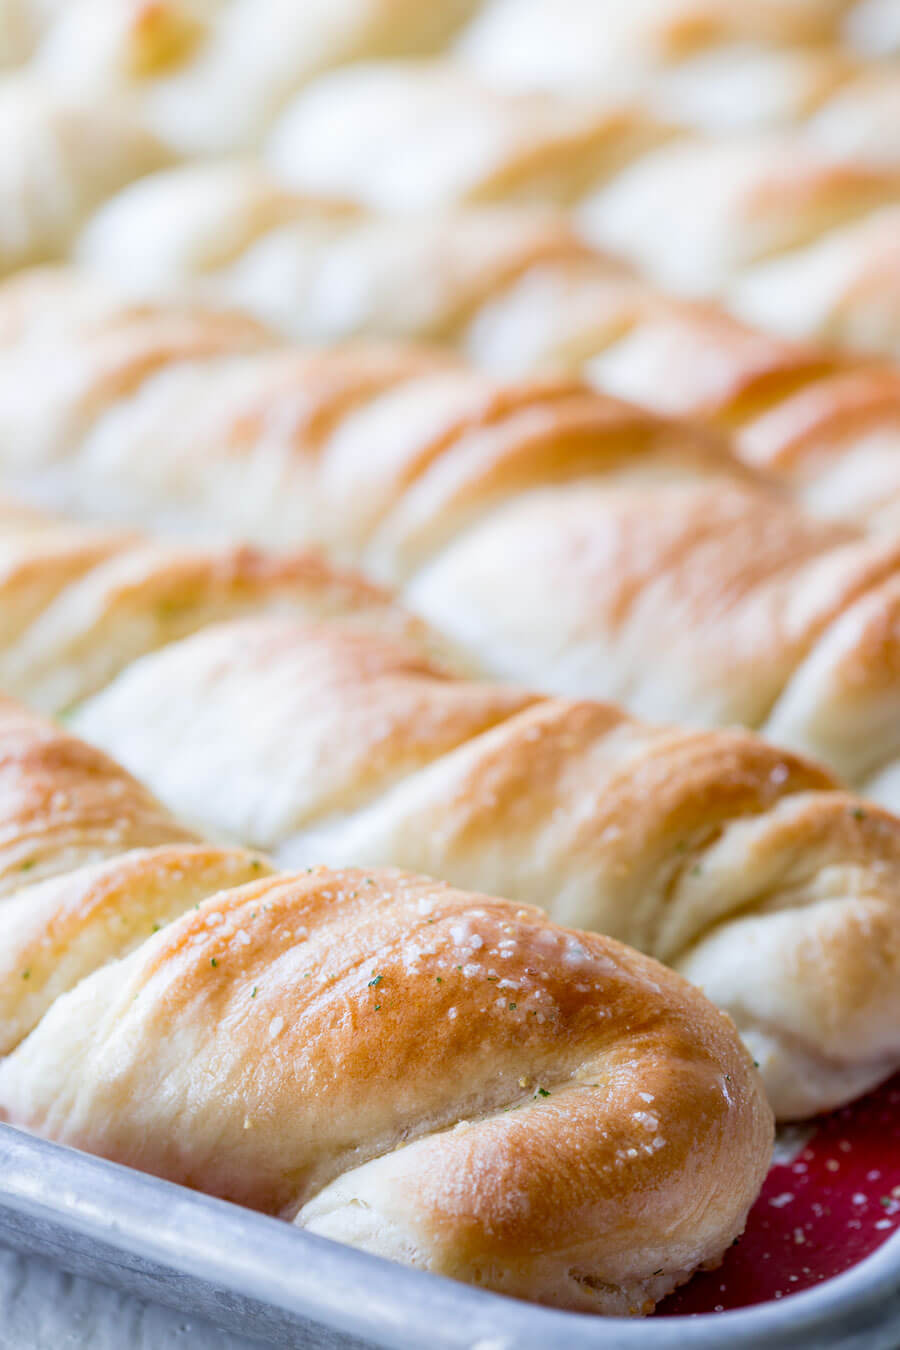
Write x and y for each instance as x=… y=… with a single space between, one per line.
x=791 y=234
x=735 y=862
x=558 y=536
x=314 y=1046
x=106 y=96
x=517 y=293
x=704 y=61
x=344 y=743
x=721 y=66
x=207 y=76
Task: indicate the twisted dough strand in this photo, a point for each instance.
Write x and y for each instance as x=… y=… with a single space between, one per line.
x=347 y=741
x=680 y=843
x=176 y=1007
x=558 y=536
x=517 y=293
x=755 y=221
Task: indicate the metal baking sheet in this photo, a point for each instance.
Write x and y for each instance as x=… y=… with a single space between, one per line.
x=258 y=1276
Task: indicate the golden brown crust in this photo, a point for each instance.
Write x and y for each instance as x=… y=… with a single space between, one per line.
x=64 y=803
x=367 y=754
x=80 y=604
x=60 y=930
x=309 y=994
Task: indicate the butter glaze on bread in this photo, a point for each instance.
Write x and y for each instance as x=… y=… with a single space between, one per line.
x=439 y=1077
x=312 y=1045
x=555 y=535
x=332 y=739
x=517 y=293
x=711 y=851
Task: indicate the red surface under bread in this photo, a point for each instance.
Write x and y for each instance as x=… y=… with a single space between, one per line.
x=833 y=1201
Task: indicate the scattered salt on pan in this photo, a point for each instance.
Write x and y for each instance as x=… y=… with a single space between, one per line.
x=631 y=1153
x=458 y=934
x=832 y=1165
x=476 y=941
x=276 y=1025
x=884 y=1223
x=874 y=1175
x=452 y=1013
x=779 y=1201
x=470 y=969
x=860 y=1199
x=646 y=1096
x=647 y=1119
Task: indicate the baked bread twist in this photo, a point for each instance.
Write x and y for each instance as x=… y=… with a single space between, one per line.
x=208 y=76
x=701 y=62
x=80 y=604
x=348 y=742
x=700 y=59
x=751 y=220
x=518 y=293
x=559 y=537
x=737 y=863
x=444 y=1078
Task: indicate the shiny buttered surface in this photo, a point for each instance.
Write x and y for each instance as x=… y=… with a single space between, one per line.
x=737 y=863
x=330 y=725
x=558 y=536
x=434 y=1075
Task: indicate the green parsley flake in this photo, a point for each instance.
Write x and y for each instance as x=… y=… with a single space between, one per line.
x=542 y=1092
x=374 y=983
x=26 y=974
x=213 y=962
x=253 y=992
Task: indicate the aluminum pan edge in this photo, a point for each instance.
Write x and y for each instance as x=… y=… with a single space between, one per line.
x=264 y=1278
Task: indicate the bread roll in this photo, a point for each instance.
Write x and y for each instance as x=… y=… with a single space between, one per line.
x=555 y=536
x=713 y=64
x=536 y=1110
x=580 y=1128
x=701 y=214
x=208 y=76
x=350 y=748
